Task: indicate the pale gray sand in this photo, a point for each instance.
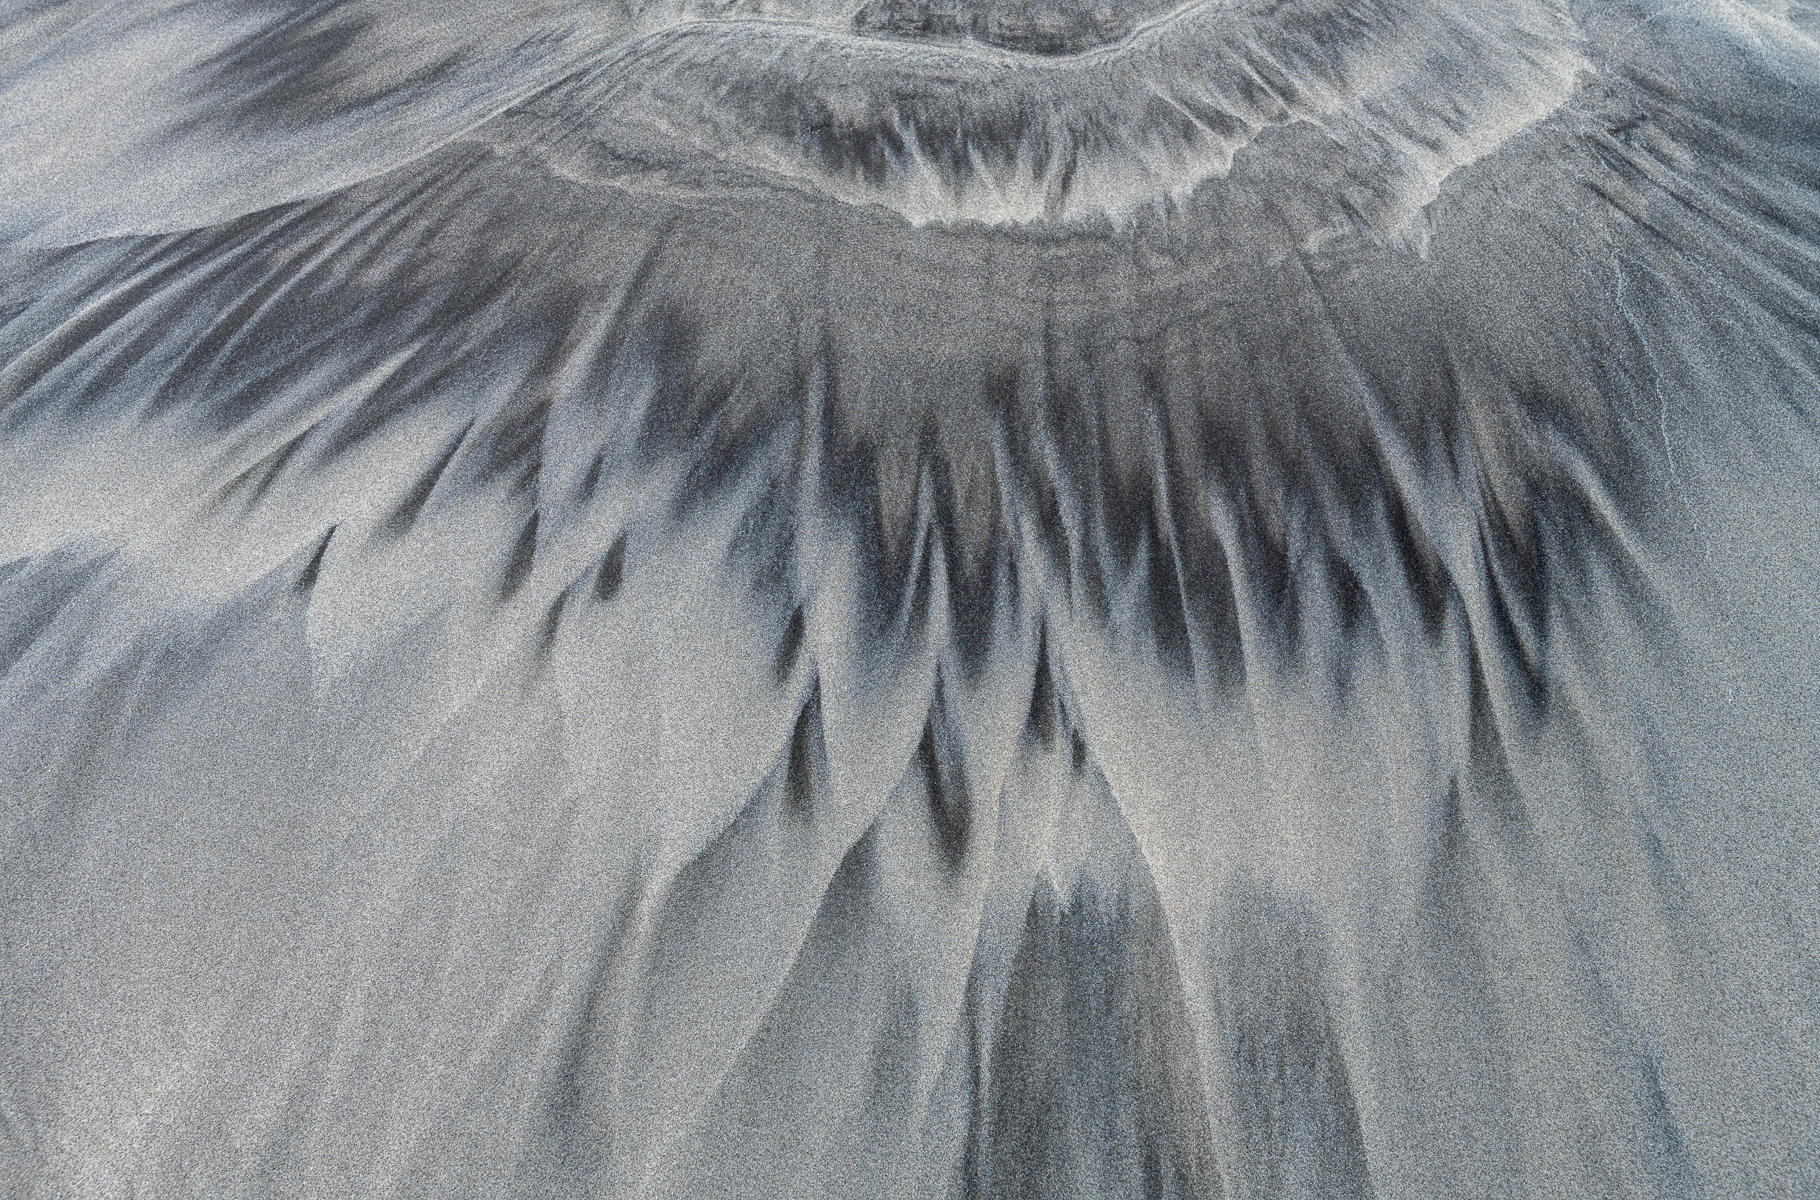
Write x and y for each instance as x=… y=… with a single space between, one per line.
x=945 y=600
